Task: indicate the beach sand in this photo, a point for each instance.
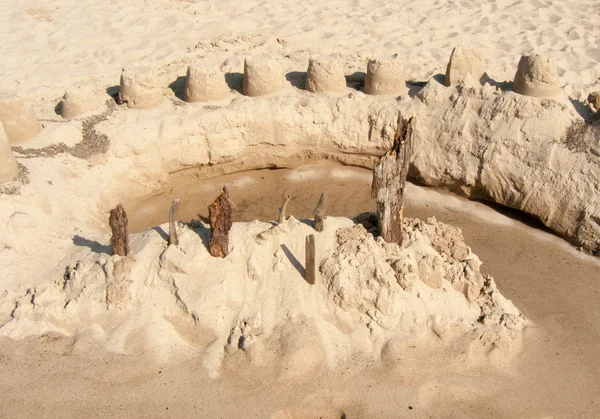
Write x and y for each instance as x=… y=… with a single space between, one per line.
x=50 y=47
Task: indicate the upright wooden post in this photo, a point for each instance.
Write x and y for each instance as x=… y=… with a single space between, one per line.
x=310 y=259
x=220 y=223
x=320 y=212
x=173 y=239
x=389 y=181
x=283 y=208
x=119 y=240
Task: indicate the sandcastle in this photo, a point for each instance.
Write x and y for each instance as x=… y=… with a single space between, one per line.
x=18 y=118
x=385 y=77
x=79 y=100
x=325 y=74
x=204 y=83
x=536 y=76
x=138 y=88
x=464 y=61
x=262 y=76
x=8 y=164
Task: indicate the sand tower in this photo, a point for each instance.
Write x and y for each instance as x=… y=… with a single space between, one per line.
x=18 y=118
x=536 y=76
x=139 y=88
x=464 y=61
x=8 y=164
x=325 y=74
x=79 y=100
x=385 y=77
x=262 y=76
x=204 y=83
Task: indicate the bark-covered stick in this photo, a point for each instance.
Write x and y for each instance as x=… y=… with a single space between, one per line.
x=320 y=212
x=283 y=208
x=220 y=223
x=119 y=240
x=389 y=181
x=173 y=239
x=310 y=259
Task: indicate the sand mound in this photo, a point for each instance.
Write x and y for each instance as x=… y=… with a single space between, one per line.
x=537 y=76
x=18 y=118
x=256 y=304
x=9 y=169
x=464 y=62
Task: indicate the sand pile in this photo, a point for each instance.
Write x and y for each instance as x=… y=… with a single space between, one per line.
x=370 y=297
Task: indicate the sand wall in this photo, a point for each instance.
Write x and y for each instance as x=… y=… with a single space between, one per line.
x=492 y=144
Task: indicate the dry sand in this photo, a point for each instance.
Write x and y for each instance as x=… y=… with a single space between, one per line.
x=52 y=47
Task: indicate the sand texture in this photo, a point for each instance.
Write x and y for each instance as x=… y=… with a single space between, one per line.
x=175 y=99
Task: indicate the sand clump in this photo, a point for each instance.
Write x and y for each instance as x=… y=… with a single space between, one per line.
x=325 y=74
x=536 y=76
x=464 y=62
x=19 y=119
x=385 y=77
x=262 y=76
x=205 y=83
x=594 y=100
x=139 y=88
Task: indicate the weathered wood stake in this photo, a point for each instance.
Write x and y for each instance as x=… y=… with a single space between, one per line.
x=220 y=223
x=173 y=239
x=389 y=181
x=119 y=240
x=320 y=212
x=283 y=208
x=310 y=259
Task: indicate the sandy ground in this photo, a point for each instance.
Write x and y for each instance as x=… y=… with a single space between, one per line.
x=555 y=376
x=49 y=46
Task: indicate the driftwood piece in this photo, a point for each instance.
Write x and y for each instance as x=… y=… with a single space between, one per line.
x=310 y=259
x=173 y=239
x=389 y=181
x=119 y=240
x=320 y=212
x=220 y=223
x=286 y=200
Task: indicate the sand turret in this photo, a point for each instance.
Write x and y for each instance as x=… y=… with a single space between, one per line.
x=139 y=88
x=536 y=76
x=464 y=61
x=385 y=77
x=79 y=100
x=18 y=118
x=204 y=83
x=325 y=74
x=8 y=164
x=262 y=76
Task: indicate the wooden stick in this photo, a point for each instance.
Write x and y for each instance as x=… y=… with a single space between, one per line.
x=220 y=224
x=283 y=208
x=173 y=239
x=119 y=240
x=310 y=259
x=320 y=212
x=389 y=181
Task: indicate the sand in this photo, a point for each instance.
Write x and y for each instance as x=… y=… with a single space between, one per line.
x=70 y=356
x=554 y=376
